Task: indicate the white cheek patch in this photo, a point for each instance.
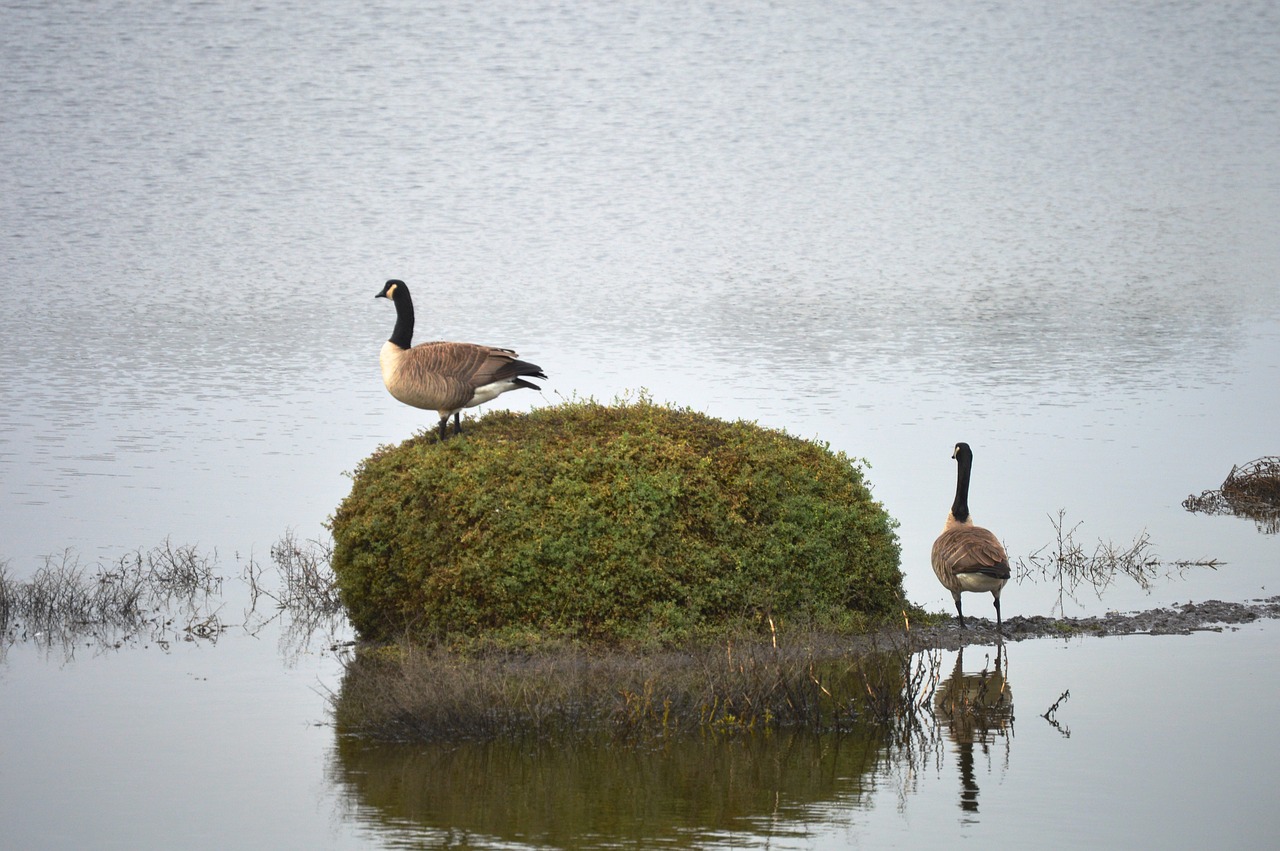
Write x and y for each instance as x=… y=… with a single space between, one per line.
x=391 y=291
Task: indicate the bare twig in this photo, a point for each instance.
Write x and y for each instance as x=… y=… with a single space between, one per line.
x=1069 y=566
x=1051 y=714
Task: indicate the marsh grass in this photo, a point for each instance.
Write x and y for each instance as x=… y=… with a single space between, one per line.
x=7 y=602
x=168 y=593
x=162 y=594
x=1070 y=566
x=310 y=588
x=1251 y=490
x=178 y=572
x=301 y=593
x=821 y=683
x=304 y=582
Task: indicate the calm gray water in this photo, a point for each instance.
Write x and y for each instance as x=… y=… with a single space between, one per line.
x=1045 y=229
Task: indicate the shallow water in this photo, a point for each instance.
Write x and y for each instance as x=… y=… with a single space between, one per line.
x=1042 y=230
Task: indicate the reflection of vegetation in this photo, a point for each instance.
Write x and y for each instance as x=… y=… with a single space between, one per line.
x=412 y=692
x=1252 y=491
x=898 y=684
x=680 y=786
x=1051 y=715
x=161 y=595
x=1067 y=564
x=584 y=791
x=746 y=687
x=633 y=521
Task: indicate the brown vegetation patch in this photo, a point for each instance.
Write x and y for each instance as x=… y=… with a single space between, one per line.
x=1251 y=490
x=822 y=683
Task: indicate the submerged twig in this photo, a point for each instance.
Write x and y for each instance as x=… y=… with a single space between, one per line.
x=1051 y=714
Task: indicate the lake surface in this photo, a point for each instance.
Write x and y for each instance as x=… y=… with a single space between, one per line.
x=1045 y=230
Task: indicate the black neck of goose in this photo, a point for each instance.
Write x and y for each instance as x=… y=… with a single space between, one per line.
x=960 y=508
x=402 y=334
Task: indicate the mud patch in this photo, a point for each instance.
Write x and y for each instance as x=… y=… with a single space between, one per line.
x=1180 y=619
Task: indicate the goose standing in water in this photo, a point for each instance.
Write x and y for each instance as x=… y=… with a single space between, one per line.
x=445 y=377
x=967 y=557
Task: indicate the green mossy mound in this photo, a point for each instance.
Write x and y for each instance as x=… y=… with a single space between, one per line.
x=625 y=522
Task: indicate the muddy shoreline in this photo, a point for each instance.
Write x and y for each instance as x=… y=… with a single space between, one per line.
x=1179 y=619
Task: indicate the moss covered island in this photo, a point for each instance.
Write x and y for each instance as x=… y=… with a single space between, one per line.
x=625 y=522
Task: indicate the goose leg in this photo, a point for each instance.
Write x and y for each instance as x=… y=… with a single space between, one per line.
x=999 y=624
x=444 y=432
x=457 y=422
x=959 y=612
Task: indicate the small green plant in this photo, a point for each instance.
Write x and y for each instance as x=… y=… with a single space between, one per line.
x=624 y=522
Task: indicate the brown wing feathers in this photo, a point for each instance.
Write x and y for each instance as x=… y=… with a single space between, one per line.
x=450 y=372
x=970 y=549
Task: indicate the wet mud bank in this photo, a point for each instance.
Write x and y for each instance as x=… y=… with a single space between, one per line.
x=1179 y=619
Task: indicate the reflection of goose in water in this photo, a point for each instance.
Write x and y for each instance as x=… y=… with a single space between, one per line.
x=975 y=708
